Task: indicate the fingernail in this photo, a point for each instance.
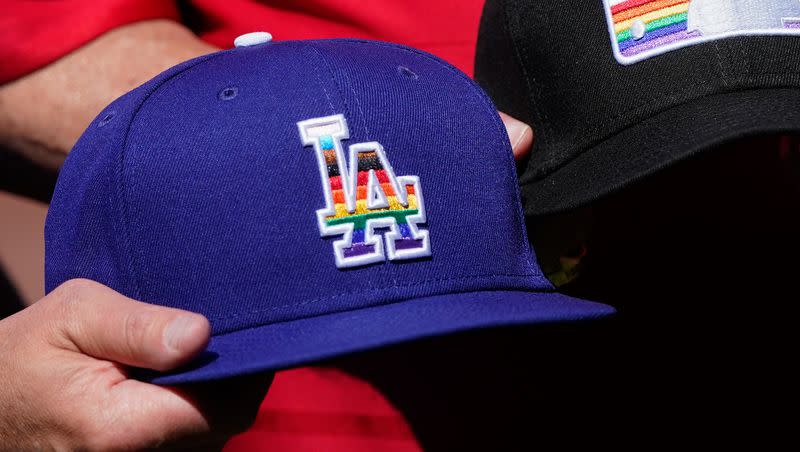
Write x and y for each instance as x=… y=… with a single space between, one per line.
x=516 y=132
x=178 y=330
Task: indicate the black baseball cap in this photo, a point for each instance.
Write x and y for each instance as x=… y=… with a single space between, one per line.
x=619 y=89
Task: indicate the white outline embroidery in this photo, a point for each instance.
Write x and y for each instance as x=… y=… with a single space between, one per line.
x=312 y=132
x=691 y=41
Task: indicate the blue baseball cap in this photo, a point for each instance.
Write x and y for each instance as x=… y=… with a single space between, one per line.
x=310 y=198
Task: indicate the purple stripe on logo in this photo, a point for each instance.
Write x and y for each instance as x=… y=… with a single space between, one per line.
x=358 y=236
x=652 y=35
x=406 y=244
x=791 y=23
x=664 y=40
x=405 y=231
x=359 y=249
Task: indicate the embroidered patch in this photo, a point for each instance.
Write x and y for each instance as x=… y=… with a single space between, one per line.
x=363 y=197
x=641 y=29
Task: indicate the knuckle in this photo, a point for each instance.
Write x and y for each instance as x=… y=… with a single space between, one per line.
x=68 y=295
x=61 y=309
x=82 y=379
x=76 y=286
x=137 y=328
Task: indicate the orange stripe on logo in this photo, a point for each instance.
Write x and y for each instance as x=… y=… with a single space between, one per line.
x=644 y=9
x=361 y=192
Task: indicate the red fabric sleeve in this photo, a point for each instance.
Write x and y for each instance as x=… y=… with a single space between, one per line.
x=324 y=409
x=445 y=28
x=33 y=34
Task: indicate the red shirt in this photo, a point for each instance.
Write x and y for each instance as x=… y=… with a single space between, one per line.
x=311 y=408
x=33 y=34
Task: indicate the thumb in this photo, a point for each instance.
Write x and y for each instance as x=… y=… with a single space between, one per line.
x=519 y=134
x=97 y=321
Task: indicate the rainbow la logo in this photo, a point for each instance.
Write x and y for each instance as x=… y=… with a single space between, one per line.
x=641 y=29
x=364 y=197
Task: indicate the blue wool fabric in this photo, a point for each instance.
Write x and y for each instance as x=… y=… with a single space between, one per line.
x=195 y=191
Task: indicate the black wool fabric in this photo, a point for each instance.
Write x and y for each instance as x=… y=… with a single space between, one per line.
x=601 y=124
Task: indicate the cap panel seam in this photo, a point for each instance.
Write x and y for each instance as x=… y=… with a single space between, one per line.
x=499 y=129
x=319 y=80
x=520 y=50
x=341 y=90
x=341 y=93
x=122 y=188
x=316 y=51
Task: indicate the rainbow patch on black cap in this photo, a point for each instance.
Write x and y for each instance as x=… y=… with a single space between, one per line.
x=641 y=29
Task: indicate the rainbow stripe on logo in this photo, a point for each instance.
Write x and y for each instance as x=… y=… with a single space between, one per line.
x=642 y=25
x=392 y=208
x=376 y=212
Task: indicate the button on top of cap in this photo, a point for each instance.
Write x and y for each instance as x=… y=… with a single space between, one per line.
x=251 y=39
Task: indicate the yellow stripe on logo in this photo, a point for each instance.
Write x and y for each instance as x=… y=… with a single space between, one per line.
x=361 y=207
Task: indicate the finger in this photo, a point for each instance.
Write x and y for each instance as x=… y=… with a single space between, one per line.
x=162 y=418
x=519 y=134
x=97 y=321
x=198 y=415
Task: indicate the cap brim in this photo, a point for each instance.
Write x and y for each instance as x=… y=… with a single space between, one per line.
x=298 y=342
x=659 y=141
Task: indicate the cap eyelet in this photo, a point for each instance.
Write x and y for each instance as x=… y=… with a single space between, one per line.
x=106 y=119
x=402 y=70
x=228 y=93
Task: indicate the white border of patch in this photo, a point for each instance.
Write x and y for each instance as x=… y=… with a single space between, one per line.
x=607 y=4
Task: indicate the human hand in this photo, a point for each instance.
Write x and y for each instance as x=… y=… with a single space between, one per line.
x=43 y=114
x=66 y=387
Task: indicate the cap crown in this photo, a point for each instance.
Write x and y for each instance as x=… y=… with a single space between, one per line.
x=236 y=185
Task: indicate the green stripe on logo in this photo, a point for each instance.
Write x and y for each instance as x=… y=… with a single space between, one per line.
x=360 y=221
x=655 y=25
